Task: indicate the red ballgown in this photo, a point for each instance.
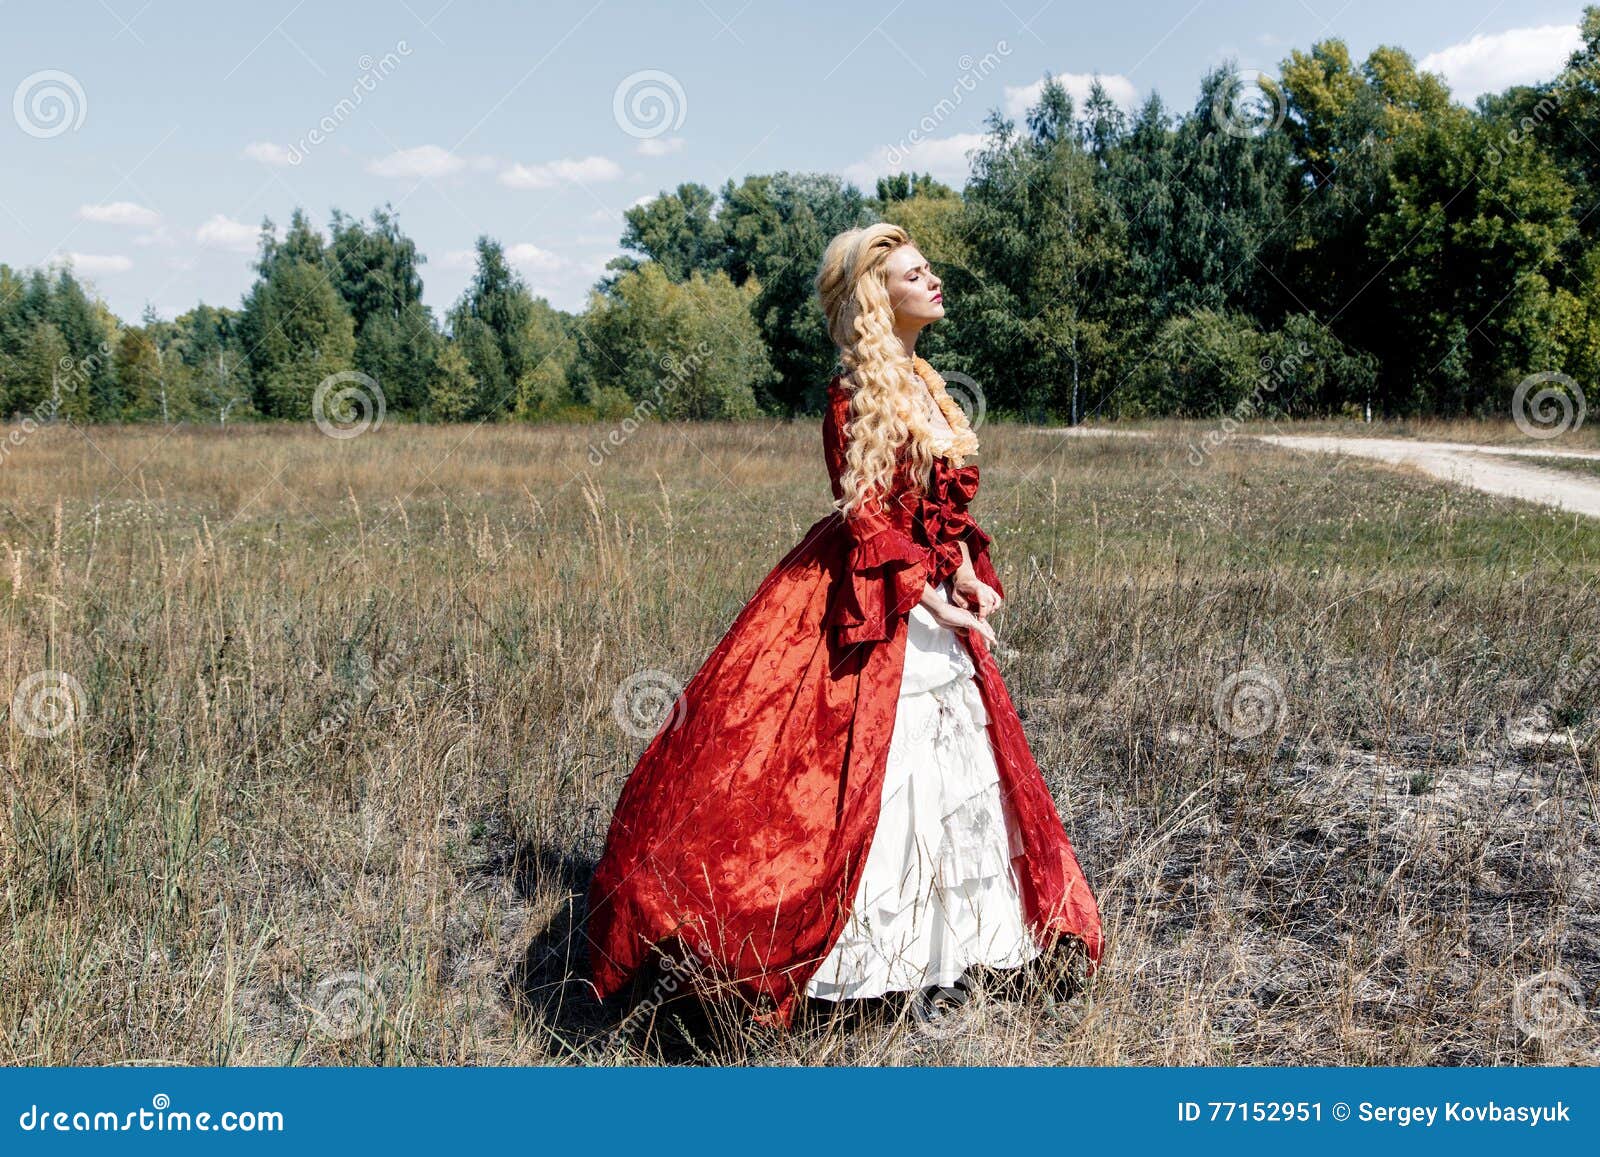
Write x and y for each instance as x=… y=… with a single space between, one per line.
x=740 y=836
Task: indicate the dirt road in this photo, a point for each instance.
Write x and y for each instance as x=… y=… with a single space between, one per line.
x=1509 y=470
x=1513 y=471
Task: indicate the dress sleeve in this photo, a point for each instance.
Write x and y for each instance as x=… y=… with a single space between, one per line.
x=978 y=548
x=948 y=523
x=887 y=570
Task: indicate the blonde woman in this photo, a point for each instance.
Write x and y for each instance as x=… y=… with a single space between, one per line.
x=842 y=803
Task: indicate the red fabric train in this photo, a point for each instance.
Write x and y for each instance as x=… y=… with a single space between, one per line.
x=743 y=829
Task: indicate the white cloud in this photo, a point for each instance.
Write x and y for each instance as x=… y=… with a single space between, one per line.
x=568 y=288
x=1118 y=87
x=524 y=255
x=528 y=256
x=94 y=264
x=1492 y=63
x=612 y=221
x=222 y=232
x=661 y=146
x=422 y=161
x=119 y=213
x=585 y=169
x=268 y=153
x=944 y=157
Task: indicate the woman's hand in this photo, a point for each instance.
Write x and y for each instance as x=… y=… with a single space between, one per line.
x=958 y=619
x=969 y=591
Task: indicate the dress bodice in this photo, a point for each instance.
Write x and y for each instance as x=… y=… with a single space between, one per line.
x=902 y=536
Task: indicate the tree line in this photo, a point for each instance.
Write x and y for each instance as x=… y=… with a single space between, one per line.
x=1338 y=239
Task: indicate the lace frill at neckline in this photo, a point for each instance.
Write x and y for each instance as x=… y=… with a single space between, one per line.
x=961 y=442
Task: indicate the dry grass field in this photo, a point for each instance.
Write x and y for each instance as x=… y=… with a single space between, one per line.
x=311 y=743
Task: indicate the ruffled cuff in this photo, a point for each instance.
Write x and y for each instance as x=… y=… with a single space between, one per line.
x=887 y=572
x=947 y=556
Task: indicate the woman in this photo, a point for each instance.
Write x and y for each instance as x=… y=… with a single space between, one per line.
x=842 y=802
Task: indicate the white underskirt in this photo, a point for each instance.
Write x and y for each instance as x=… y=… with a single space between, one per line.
x=939 y=892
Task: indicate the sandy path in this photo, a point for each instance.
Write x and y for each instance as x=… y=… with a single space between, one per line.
x=1483 y=468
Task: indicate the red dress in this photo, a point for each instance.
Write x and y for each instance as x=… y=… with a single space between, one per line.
x=742 y=832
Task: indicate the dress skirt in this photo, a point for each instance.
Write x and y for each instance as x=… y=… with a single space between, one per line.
x=938 y=893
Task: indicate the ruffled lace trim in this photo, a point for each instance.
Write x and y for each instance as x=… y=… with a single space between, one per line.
x=939 y=892
x=976 y=842
x=962 y=442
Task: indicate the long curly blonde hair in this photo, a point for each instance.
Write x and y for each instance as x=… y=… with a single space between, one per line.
x=886 y=390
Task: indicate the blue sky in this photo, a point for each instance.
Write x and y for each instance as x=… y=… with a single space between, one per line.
x=147 y=140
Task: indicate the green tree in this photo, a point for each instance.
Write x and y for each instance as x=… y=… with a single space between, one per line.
x=296 y=328
x=680 y=350
x=376 y=270
x=1345 y=123
x=1469 y=251
x=1202 y=364
x=679 y=231
x=777 y=227
x=42 y=381
x=545 y=387
x=1046 y=293
x=452 y=390
x=141 y=376
x=492 y=322
x=208 y=341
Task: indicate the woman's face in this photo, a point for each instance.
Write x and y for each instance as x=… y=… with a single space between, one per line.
x=914 y=291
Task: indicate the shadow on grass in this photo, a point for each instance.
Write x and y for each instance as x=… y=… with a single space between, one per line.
x=662 y=1019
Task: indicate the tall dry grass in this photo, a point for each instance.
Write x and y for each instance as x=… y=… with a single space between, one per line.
x=315 y=745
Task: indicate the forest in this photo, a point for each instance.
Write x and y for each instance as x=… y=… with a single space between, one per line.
x=1340 y=239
